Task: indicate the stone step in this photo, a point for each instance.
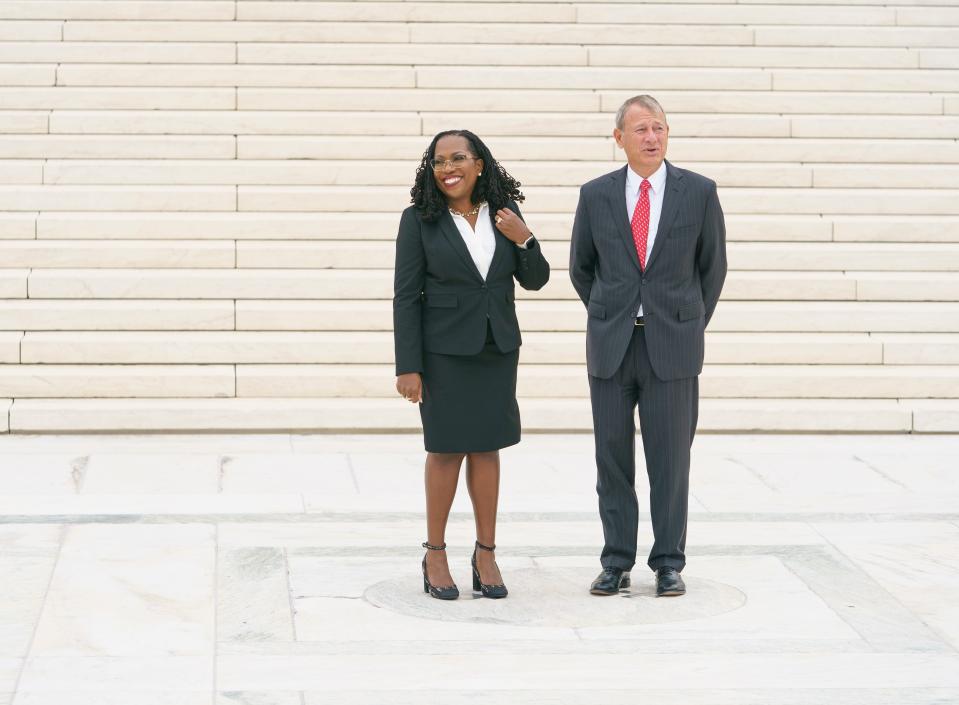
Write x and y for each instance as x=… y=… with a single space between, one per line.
x=121 y=97
x=382 y=226
x=544 y=415
x=765 y=57
x=535 y=380
x=652 y=78
x=354 y=256
x=410 y=121
x=27 y=381
x=742 y=256
x=117 y=315
x=119 y=147
x=582 y=99
x=470 y=53
x=512 y=33
x=117 y=198
x=19 y=171
x=646 y=13
x=122 y=347
x=347 y=285
x=737 y=14
x=366 y=199
x=78 y=347
x=874 y=36
x=66 y=10
x=216 y=75
x=906 y=150
x=685 y=125
x=413 y=121
x=116 y=52
x=118 y=253
x=13 y=283
x=910 y=31
x=10 y=347
x=399 y=173
x=550 y=199
x=547 y=316
x=717 y=381
x=505 y=77
x=730 y=316
x=934 y=349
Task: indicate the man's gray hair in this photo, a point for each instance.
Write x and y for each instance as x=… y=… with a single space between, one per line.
x=647 y=101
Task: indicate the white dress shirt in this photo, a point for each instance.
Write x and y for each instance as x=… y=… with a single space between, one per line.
x=657 y=183
x=481 y=242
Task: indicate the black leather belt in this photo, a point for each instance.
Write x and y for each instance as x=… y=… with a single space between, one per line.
x=640 y=321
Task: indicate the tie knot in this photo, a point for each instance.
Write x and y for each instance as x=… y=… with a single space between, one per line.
x=645 y=186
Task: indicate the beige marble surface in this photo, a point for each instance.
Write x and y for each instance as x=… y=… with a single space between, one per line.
x=284 y=570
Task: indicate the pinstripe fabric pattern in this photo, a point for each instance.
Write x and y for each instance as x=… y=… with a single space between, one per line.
x=654 y=368
x=668 y=412
x=679 y=288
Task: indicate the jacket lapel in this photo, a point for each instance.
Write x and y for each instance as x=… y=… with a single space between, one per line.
x=674 y=190
x=617 y=196
x=448 y=227
x=502 y=246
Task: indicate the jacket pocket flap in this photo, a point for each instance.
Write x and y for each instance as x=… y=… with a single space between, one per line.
x=684 y=232
x=691 y=311
x=596 y=310
x=441 y=300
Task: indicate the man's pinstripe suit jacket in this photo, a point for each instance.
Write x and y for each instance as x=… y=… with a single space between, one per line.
x=679 y=289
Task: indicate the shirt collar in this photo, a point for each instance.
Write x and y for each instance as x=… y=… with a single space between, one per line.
x=657 y=179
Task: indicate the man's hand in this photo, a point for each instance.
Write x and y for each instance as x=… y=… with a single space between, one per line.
x=410 y=387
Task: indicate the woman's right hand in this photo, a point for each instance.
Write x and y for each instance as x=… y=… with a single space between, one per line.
x=410 y=387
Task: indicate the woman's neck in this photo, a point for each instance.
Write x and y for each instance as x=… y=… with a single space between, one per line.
x=461 y=205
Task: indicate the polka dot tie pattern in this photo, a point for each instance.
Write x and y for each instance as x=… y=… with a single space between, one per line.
x=640 y=223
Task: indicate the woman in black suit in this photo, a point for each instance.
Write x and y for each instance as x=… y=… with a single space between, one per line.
x=459 y=247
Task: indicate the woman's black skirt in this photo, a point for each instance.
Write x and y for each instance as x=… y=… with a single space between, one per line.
x=469 y=401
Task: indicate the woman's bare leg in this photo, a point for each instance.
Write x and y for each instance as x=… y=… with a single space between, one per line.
x=442 y=476
x=482 y=481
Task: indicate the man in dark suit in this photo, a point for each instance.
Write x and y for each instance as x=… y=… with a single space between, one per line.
x=648 y=259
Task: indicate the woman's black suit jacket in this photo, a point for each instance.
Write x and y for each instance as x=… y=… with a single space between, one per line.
x=441 y=303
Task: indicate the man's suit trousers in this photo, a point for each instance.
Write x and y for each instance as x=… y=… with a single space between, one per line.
x=668 y=413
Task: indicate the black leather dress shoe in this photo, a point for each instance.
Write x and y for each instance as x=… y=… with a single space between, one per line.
x=610 y=581
x=668 y=582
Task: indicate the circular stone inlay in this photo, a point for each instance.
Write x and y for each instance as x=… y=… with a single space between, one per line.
x=559 y=597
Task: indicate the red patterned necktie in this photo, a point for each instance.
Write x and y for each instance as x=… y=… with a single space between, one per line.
x=640 y=223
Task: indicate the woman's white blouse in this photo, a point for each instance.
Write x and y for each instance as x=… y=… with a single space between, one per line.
x=481 y=243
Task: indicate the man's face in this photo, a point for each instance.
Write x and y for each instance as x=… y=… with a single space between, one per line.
x=644 y=137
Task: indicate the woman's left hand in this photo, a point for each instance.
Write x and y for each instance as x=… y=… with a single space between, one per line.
x=512 y=226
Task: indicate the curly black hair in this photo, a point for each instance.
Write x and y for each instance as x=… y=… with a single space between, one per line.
x=495 y=185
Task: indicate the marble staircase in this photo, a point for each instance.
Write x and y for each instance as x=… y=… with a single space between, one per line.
x=198 y=201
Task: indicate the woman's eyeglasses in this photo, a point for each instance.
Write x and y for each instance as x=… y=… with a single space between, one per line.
x=457 y=161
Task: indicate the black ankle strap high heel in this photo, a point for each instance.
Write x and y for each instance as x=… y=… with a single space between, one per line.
x=440 y=593
x=492 y=591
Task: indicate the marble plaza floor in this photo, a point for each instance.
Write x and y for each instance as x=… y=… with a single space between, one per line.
x=284 y=570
